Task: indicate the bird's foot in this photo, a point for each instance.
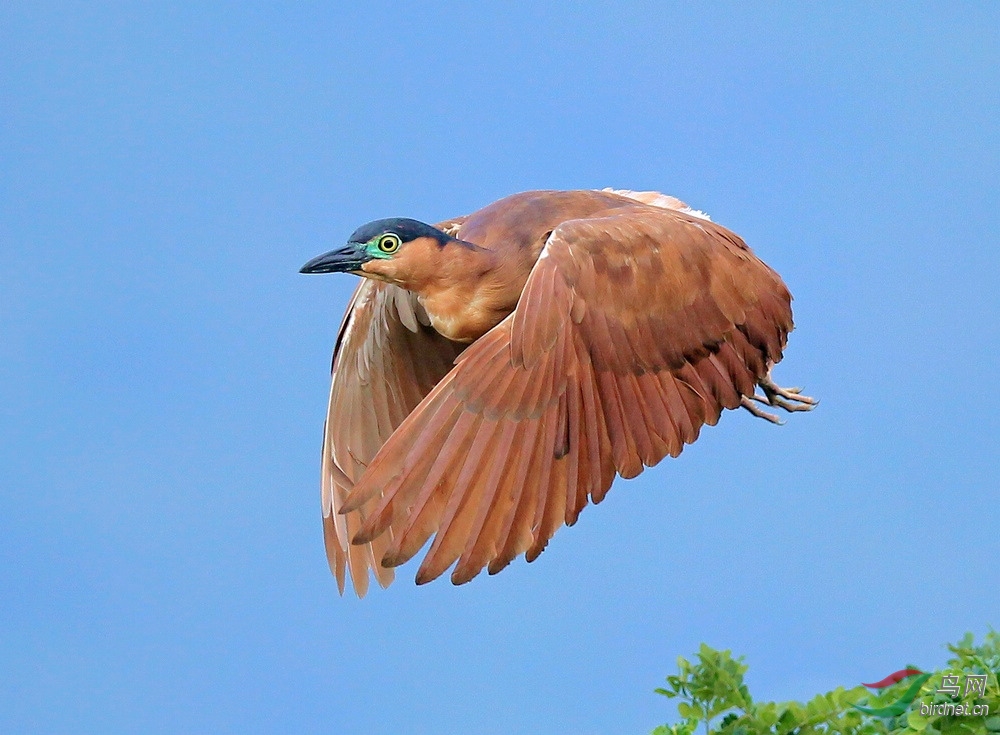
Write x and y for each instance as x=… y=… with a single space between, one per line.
x=788 y=399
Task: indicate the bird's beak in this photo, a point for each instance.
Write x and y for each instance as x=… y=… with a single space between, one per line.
x=342 y=260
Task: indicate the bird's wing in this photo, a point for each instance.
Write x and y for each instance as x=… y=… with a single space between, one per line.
x=633 y=330
x=386 y=360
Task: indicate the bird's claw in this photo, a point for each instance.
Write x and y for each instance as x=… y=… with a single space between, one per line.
x=760 y=413
x=788 y=399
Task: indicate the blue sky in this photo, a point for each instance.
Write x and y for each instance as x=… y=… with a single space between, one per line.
x=164 y=171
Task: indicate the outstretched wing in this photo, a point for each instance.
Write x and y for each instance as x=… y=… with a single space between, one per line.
x=386 y=360
x=634 y=329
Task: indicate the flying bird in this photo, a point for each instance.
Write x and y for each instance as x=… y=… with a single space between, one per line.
x=494 y=372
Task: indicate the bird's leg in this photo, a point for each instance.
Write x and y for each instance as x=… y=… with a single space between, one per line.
x=789 y=399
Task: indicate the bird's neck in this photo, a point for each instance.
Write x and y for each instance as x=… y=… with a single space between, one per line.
x=473 y=292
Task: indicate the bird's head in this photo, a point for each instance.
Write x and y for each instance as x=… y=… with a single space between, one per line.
x=397 y=250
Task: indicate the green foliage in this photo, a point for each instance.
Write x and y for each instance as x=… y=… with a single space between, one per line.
x=714 y=699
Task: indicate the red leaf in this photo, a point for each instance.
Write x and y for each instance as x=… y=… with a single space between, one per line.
x=892 y=678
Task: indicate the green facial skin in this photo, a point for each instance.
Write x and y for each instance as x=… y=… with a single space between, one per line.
x=384 y=246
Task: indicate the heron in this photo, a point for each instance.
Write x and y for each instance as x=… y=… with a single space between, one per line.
x=495 y=372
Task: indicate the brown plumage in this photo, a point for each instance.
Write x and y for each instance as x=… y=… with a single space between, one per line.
x=494 y=373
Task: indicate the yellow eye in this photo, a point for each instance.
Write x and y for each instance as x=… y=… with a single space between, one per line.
x=389 y=243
